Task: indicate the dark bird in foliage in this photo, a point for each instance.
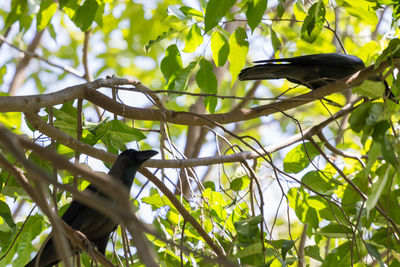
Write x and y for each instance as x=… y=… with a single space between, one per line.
x=313 y=71
x=93 y=224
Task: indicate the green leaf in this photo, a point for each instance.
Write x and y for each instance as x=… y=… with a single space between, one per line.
x=207 y=82
x=193 y=39
x=240 y=183
x=333 y=213
x=86 y=14
x=209 y=184
x=11 y=120
x=364 y=10
x=3 y=72
x=182 y=77
x=7 y=225
x=98 y=17
x=11 y=187
x=377 y=190
x=249 y=227
x=358 y=117
x=374 y=115
x=238 y=47
x=219 y=213
x=115 y=134
x=286 y=246
x=342 y=255
x=276 y=43
x=214 y=197
x=300 y=202
x=350 y=198
x=171 y=63
x=46 y=12
x=299 y=157
x=66 y=118
x=19 y=12
x=317 y=182
x=373 y=251
x=281 y=8
x=159 y=38
x=313 y=252
x=189 y=12
x=387 y=146
x=215 y=10
x=370 y=88
x=380 y=129
x=314 y=22
x=373 y=154
x=219 y=48
x=33 y=227
x=335 y=230
x=251 y=255
x=156 y=201
x=251 y=250
x=392 y=50
x=40 y=162
x=255 y=12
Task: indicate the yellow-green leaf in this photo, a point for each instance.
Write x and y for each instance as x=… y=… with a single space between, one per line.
x=46 y=12
x=215 y=10
x=313 y=23
x=219 y=48
x=238 y=47
x=193 y=39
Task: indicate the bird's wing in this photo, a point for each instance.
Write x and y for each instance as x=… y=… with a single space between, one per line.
x=76 y=208
x=320 y=59
x=294 y=73
x=101 y=241
x=73 y=211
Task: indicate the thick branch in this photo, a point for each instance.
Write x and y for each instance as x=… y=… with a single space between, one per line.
x=35 y=102
x=74 y=144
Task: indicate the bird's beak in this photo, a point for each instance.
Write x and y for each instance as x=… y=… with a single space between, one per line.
x=146 y=154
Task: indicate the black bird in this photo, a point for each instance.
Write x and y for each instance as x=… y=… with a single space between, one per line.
x=93 y=224
x=312 y=71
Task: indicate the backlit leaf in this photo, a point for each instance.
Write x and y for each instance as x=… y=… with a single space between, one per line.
x=219 y=48
x=46 y=12
x=255 y=12
x=207 y=82
x=313 y=23
x=299 y=157
x=238 y=47
x=193 y=39
x=215 y=10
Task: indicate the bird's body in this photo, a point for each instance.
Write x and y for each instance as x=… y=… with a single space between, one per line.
x=93 y=224
x=312 y=71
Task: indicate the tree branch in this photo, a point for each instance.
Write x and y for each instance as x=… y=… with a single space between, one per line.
x=35 y=102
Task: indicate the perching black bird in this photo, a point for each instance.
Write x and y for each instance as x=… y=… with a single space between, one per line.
x=312 y=71
x=93 y=224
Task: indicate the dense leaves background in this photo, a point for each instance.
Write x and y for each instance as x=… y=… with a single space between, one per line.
x=310 y=185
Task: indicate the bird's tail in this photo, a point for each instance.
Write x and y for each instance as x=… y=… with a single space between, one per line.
x=31 y=263
x=267 y=71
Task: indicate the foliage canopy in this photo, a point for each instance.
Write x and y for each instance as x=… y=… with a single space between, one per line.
x=247 y=175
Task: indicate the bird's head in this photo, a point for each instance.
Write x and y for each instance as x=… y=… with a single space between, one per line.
x=134 y=158
x=128 y=162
